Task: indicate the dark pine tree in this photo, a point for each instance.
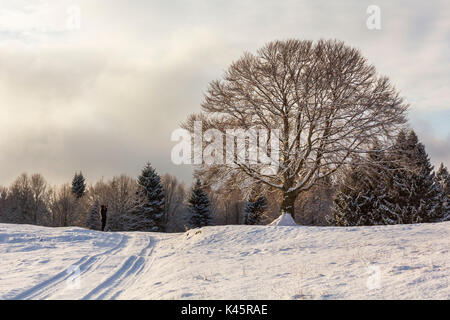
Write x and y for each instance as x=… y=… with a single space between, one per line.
x=78 y=185
x=414 y=191
x=254 y=210
x=148 y=213
x=198 y=207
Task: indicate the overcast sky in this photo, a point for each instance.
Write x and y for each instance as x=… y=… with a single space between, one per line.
x=104 y=95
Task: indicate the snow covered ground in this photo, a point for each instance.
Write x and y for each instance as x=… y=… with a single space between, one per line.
x=227 y=262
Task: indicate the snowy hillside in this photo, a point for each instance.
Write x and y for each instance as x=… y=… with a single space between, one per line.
x=227 y=262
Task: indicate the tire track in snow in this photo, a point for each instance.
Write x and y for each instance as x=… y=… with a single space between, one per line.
x=125 y=275
x=48 y=287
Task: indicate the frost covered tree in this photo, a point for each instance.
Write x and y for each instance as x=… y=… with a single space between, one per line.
x=78 y=185
x=148 y=214
x=27 y=201
x=198 y=207
x=324 y=98
x=174 y=199
x=397 y=187
x=414 y=191
x=64 y=208
x=93 y=221
x=361 y=198
x=254 y=210
x=443 y=178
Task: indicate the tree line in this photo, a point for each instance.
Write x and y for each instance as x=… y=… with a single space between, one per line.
x=148 y=203
x=344 y=155
x=393 y=184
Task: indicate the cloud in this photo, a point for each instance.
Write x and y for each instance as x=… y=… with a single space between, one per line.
x=105 y=98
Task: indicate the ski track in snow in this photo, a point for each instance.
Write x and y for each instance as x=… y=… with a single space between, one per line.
x=124 y=275
x=135 y=252
x=86 y=264
x=227 y=262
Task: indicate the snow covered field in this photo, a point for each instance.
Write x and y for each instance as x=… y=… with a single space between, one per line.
x=227 y=262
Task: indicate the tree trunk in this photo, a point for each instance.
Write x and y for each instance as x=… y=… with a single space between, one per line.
x=287 y=205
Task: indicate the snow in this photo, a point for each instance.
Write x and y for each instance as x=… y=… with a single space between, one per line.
x=227 y=262
x=284 y=219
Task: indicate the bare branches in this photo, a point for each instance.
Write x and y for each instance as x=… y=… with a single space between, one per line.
x=324 y=97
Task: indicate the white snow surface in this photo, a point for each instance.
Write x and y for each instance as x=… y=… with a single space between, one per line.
x=284 y=220
x=227 y=262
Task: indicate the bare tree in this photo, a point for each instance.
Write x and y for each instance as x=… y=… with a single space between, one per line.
x=40 y=195
x=119 y=195
x=120 y=201
x=63 y=206
x=326 y=100
x=173 y=203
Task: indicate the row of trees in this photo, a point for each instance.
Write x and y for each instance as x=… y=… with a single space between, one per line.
x=378 y=189
x=394 y=185
x=328 y=115
x=148 y=203
x=332 y=117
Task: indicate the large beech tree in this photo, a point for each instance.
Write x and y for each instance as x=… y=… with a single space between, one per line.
x=326 y=100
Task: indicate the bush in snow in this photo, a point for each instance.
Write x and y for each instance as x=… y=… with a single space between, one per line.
x=148 y=212
x=198 y=207
x=93 y=221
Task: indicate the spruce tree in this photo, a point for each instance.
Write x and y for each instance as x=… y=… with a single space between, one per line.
x=254 y=210
x=394 y=188
x=360 y=199
x=198 y=207
x=414 y=190
x=443 y=179
x=78 y=185
x=148 y=212
x=93 y=220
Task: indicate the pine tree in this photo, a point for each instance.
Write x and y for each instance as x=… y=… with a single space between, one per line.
x=443 y=179
x=148 y=213
x=254 y=210
x=361 y=198
x=93 y=220
x=198 y=207
x=415 y=191
x=78 y=185
x=394 y=188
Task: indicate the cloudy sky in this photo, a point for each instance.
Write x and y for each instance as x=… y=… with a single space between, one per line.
x=99 y=85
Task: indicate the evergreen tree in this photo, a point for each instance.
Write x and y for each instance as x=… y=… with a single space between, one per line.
x=394 y=188
x=198 y=207
x=414 y=191
x=443 y=179
x=78 y=185
x=361 y=197
x=93 y=220
x=148 y=212
x=254 y=210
